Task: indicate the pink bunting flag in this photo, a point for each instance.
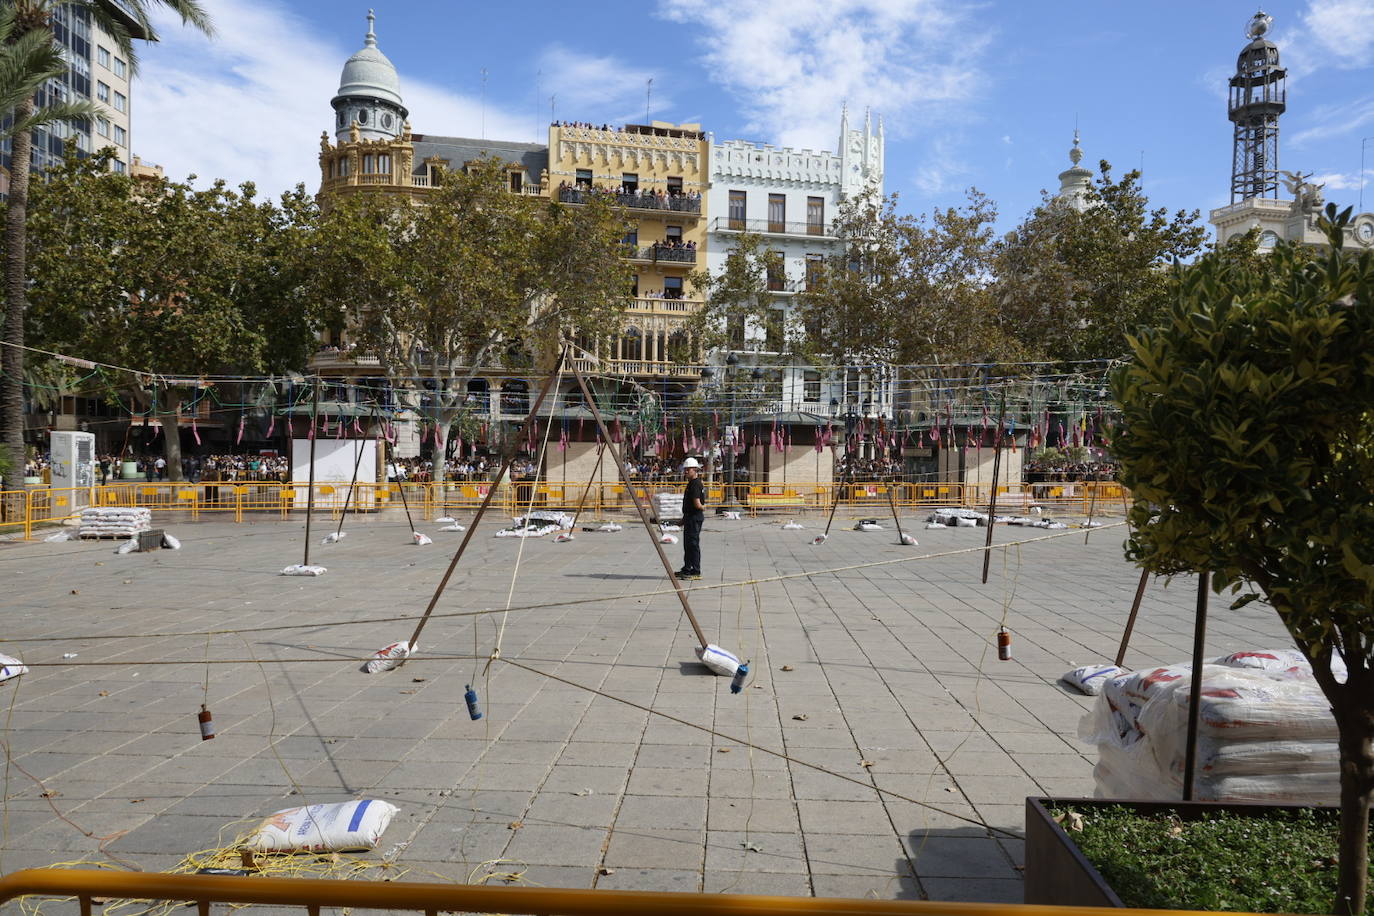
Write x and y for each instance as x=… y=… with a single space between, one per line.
x=339 y=429
x=242 y=418
x=194 y=431
x=271 y=425
x=357 y=427
x=310 y=434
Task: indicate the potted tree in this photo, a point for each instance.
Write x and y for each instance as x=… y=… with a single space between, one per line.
x=1247 y=441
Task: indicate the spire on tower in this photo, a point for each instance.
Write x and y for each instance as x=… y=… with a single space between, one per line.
x=370 y=39
x=1075 y=154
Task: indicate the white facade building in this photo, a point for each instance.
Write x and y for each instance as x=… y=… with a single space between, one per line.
x=790 y=197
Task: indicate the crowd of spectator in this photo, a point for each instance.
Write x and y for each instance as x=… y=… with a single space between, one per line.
x=688 y=201
x=1040 y=470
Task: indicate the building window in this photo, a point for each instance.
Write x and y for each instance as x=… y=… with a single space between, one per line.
x=121 y=102
x=629 y=182
x=368 y=166
x=672 y=234
x=734 y=331
x=584 y=178
x=632 y=344
x=737 y=203
x=777 y=212
x=121 y=69
x=672 y=287
x=675 y=184
x=121 y=136
x=777 y=274
x=343 y=168
x=343 y=119
x=362 y=116
x=815 y=263
x=772 y=331
x=815 y=215
x=517 y=181
x=811 y=386
x=102 y=126
x=102 y=56
x=102 y=92
x=384 y=163
x=117 y=166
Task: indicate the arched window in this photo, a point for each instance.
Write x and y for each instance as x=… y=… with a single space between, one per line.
x=515 y=397
x=479 y=394
x=678 y=345
x=632 y=344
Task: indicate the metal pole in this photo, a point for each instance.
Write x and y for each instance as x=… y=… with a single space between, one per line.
x=600 y=453
x=734 y=431
x=1130 y=621
x=992 y=501
x=310 y=496
x=352 y=484
x=892 y=504
x=506 y=462
x=639 y=507
x=1204 y=581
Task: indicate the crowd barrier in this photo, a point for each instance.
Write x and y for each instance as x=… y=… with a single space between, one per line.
x=30 y=512
x=89 y=886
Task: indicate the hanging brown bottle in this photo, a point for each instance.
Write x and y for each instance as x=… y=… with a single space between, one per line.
x=207 y=724
x=1003 y=644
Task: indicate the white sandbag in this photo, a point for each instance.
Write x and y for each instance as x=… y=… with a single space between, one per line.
x=387 y=658
x=419 y=539
x=908 y=540
x=340 y=827
x=170 y=542
x=667 y=505
x=718 y=660
x=732 y=515
x=868 y=524
x=563 y=537
x=932 y=526
x=334 y=536
x=445 y=520
x=966 y=522
x=1035 y=510
x=819 y=539
x=453 y=527
x=667 y=527
x=58 y=538
x=793 y=526
x=128 y=546
x=11 y=667
x=1266 y=660
x=1090 y=679
x=609 y=528
x=298 y=570
x=667 y=539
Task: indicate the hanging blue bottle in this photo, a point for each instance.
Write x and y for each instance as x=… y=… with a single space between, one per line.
x=474 y=711
x=741 y=675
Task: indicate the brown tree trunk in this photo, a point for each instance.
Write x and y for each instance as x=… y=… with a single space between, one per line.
x=1356 y=723
x=16 y=300
x=170 y=415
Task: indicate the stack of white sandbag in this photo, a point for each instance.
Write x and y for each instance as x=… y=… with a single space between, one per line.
x=1265 y=732
x=536 y=524
x=667 y=506
x=114 y=522
x=954 y=517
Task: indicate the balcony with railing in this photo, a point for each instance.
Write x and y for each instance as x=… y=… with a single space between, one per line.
x=659 y=253
x=635 y=367
x=662 y=305
x=773 y=227
x=677 y=205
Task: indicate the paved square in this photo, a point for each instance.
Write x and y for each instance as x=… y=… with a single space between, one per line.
x=886 y=675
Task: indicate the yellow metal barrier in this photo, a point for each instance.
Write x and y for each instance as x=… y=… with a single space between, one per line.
x=21 y=511
x=204 y=890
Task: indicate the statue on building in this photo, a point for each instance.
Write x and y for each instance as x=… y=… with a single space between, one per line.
x=1307 y=195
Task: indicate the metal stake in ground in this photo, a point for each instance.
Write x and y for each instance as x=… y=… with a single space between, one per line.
x=992 y=501
x=834 y=504
x=1092 y=509
x=639 y=507
x=1204 y=582
x=353 y=484
x=892 y=503
x=600 y=453
x=486 y=501
x=310 y=496
x=1130 y=621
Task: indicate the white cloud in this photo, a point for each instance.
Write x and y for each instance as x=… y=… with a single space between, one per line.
x=792 y=63
x=1329 y=121
x=250 y=103
x=1338 y=181
x=601 y=89
x=942 y=169
x=1344 y=28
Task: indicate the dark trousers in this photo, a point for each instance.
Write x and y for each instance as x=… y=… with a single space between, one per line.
x=691 y=542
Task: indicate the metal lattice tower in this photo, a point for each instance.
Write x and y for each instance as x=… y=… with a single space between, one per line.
x=1257 y=99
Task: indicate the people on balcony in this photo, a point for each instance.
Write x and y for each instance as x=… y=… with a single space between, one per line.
x=639 y=198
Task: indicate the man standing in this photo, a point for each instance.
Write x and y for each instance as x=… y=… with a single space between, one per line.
x=693 y=514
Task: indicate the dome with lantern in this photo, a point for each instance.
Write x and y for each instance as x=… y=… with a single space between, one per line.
x=369 y=92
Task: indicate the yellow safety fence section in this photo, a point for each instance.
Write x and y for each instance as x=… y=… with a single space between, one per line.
x=205 y=890
x=29 y=513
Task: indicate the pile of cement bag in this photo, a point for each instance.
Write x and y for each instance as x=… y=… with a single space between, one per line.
x=536 y=525
x=114 y=522
x=1266 y=732
x=667 y=506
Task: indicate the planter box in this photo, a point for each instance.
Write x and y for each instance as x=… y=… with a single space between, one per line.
x=1058 y=874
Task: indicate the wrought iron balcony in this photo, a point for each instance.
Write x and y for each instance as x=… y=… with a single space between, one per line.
x=773 y=227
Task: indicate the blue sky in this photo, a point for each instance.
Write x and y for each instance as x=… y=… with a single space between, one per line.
x=974 y=94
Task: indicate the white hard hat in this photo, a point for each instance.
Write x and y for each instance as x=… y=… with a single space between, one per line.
x=691 y=463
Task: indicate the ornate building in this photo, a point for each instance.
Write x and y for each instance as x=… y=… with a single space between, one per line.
x=1258 y=97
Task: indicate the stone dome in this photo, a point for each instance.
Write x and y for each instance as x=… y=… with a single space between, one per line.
x=368 y=73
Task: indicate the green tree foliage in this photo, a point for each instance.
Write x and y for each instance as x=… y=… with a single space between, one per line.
x=737 y=299
x=472 y=277
x=1073 y=284
x=905 y=289
x=1247 y=440
x=154 y=274
x=25 y=62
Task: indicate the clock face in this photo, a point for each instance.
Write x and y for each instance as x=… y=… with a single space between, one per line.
x=1365 y=232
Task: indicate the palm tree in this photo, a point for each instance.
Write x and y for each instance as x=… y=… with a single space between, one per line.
x=29 y=56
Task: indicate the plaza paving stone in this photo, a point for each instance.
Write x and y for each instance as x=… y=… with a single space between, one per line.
x=886 y=675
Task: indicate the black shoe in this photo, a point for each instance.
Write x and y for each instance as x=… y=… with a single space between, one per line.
x=690 y=575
